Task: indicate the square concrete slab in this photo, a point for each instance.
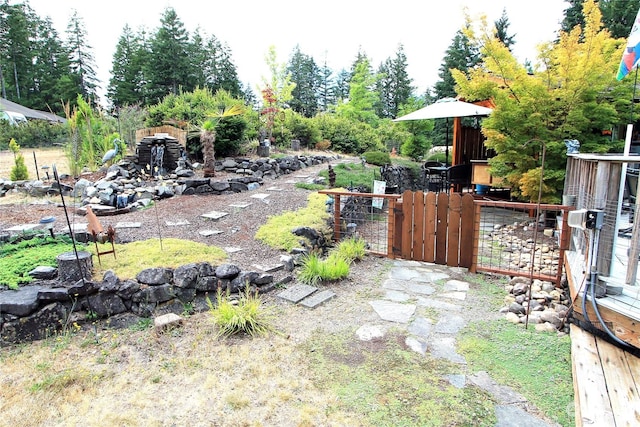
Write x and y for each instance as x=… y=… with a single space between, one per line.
x=297 y=293
x=318 y=298
x=231 y=250
x=209 y=233
x=240 y=205
x=214 y=215
x=178 y=223
x=260 y=196
x=274 y=189
x=129 y=225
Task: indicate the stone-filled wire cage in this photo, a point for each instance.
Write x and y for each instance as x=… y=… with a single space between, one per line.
x=148 y=146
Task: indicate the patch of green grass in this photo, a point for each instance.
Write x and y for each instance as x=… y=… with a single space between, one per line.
x=246 y=315
x=17 y=259
x=391 y=385
x=309 y=186
x=353 y=175
x=276 y=232
x=490 y=289
x=131 y=258
x=538 y=365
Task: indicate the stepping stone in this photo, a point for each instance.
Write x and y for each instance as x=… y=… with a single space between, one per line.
x=445 y=348
x=456 y=285
x=129 y=225
x=450 y=324
x=24 y=227
x=209 y=233
x=178 y=223
x=214 y=215
x=397 y=296
x=290 y=181
x=416 y=345
x=231 y=249
x=274 y=189
x=297 y=293
x=421 y=327
x=269 y=269
x=318 y=298
x=302 y=176
x=460 y=296
x=437 y=304
x=369 y=332
x=420 y=289
x=260 y=196
x=240 y=205
x=393 y=311
x=505 y=395
x=458 y=381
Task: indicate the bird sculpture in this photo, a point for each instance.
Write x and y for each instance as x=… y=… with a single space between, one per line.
x=109 y=155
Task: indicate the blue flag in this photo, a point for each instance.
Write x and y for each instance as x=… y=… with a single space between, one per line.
x=631 y=55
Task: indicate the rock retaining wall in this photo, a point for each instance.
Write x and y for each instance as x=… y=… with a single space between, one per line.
x=49 y=306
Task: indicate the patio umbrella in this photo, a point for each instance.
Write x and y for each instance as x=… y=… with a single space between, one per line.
x=445 y=108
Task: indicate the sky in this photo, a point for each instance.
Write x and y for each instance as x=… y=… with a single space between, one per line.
x=329 y=30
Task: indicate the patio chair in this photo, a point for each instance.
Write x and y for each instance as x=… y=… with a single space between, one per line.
x=459 y=176
x=433 y=176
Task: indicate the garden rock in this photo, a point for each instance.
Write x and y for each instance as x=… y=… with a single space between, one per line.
x=21 y=302
x=37 y=326
x=155 y=276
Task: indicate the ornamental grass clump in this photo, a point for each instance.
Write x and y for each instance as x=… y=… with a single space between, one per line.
x=245 y=315
x=352 y=249
x=315 y=269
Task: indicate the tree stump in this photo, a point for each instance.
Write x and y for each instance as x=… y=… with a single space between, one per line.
x=263 y=151
x=71 y=269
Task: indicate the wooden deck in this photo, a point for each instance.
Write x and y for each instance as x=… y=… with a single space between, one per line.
x=606 y=382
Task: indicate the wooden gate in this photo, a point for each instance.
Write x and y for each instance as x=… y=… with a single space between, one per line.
x=434 y=227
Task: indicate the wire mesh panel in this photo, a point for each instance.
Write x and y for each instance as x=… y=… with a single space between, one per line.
x=519 y=239
x=365 y=216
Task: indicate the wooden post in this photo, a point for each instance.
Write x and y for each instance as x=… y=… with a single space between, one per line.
x=336 y=217
x=634 y=250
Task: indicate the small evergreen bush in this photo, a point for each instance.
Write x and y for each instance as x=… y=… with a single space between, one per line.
x=19 y=172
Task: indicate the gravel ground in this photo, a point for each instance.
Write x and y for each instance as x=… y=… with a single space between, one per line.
x=238 y=227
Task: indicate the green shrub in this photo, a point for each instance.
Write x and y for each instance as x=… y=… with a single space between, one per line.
x=315 y=269
x=377 y=158
x=19 y=172
x=352 y=249
x=348 y=136
x=246 y=315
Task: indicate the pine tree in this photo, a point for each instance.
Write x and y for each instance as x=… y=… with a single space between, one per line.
x=167 y=67
x=394 y=85
x=326 y=88
x=126 y=83
x=305 y=74
x=81 y=60
x=502 y=30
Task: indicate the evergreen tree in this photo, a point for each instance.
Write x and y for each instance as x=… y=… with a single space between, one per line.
x=326 y=88
x=362 y=95
x=572 y=16
x=502 y=30
x=460 y=55
x=81 y=61
x=341 y=88
x=393 y=85
x=126 y=83
x=16 y=29
x=167 y=67
x=220 y=71
x=305 y=74
x=618 y=16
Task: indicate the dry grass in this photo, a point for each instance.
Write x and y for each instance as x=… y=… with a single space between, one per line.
x=184 y=377
x=44 y=156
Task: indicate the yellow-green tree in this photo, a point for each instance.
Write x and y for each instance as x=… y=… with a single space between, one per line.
x=276 y=90
x=19 y=171
x=572 y=94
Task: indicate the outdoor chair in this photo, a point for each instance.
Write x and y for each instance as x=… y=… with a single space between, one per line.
x=433 y=176
x=459 y=176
